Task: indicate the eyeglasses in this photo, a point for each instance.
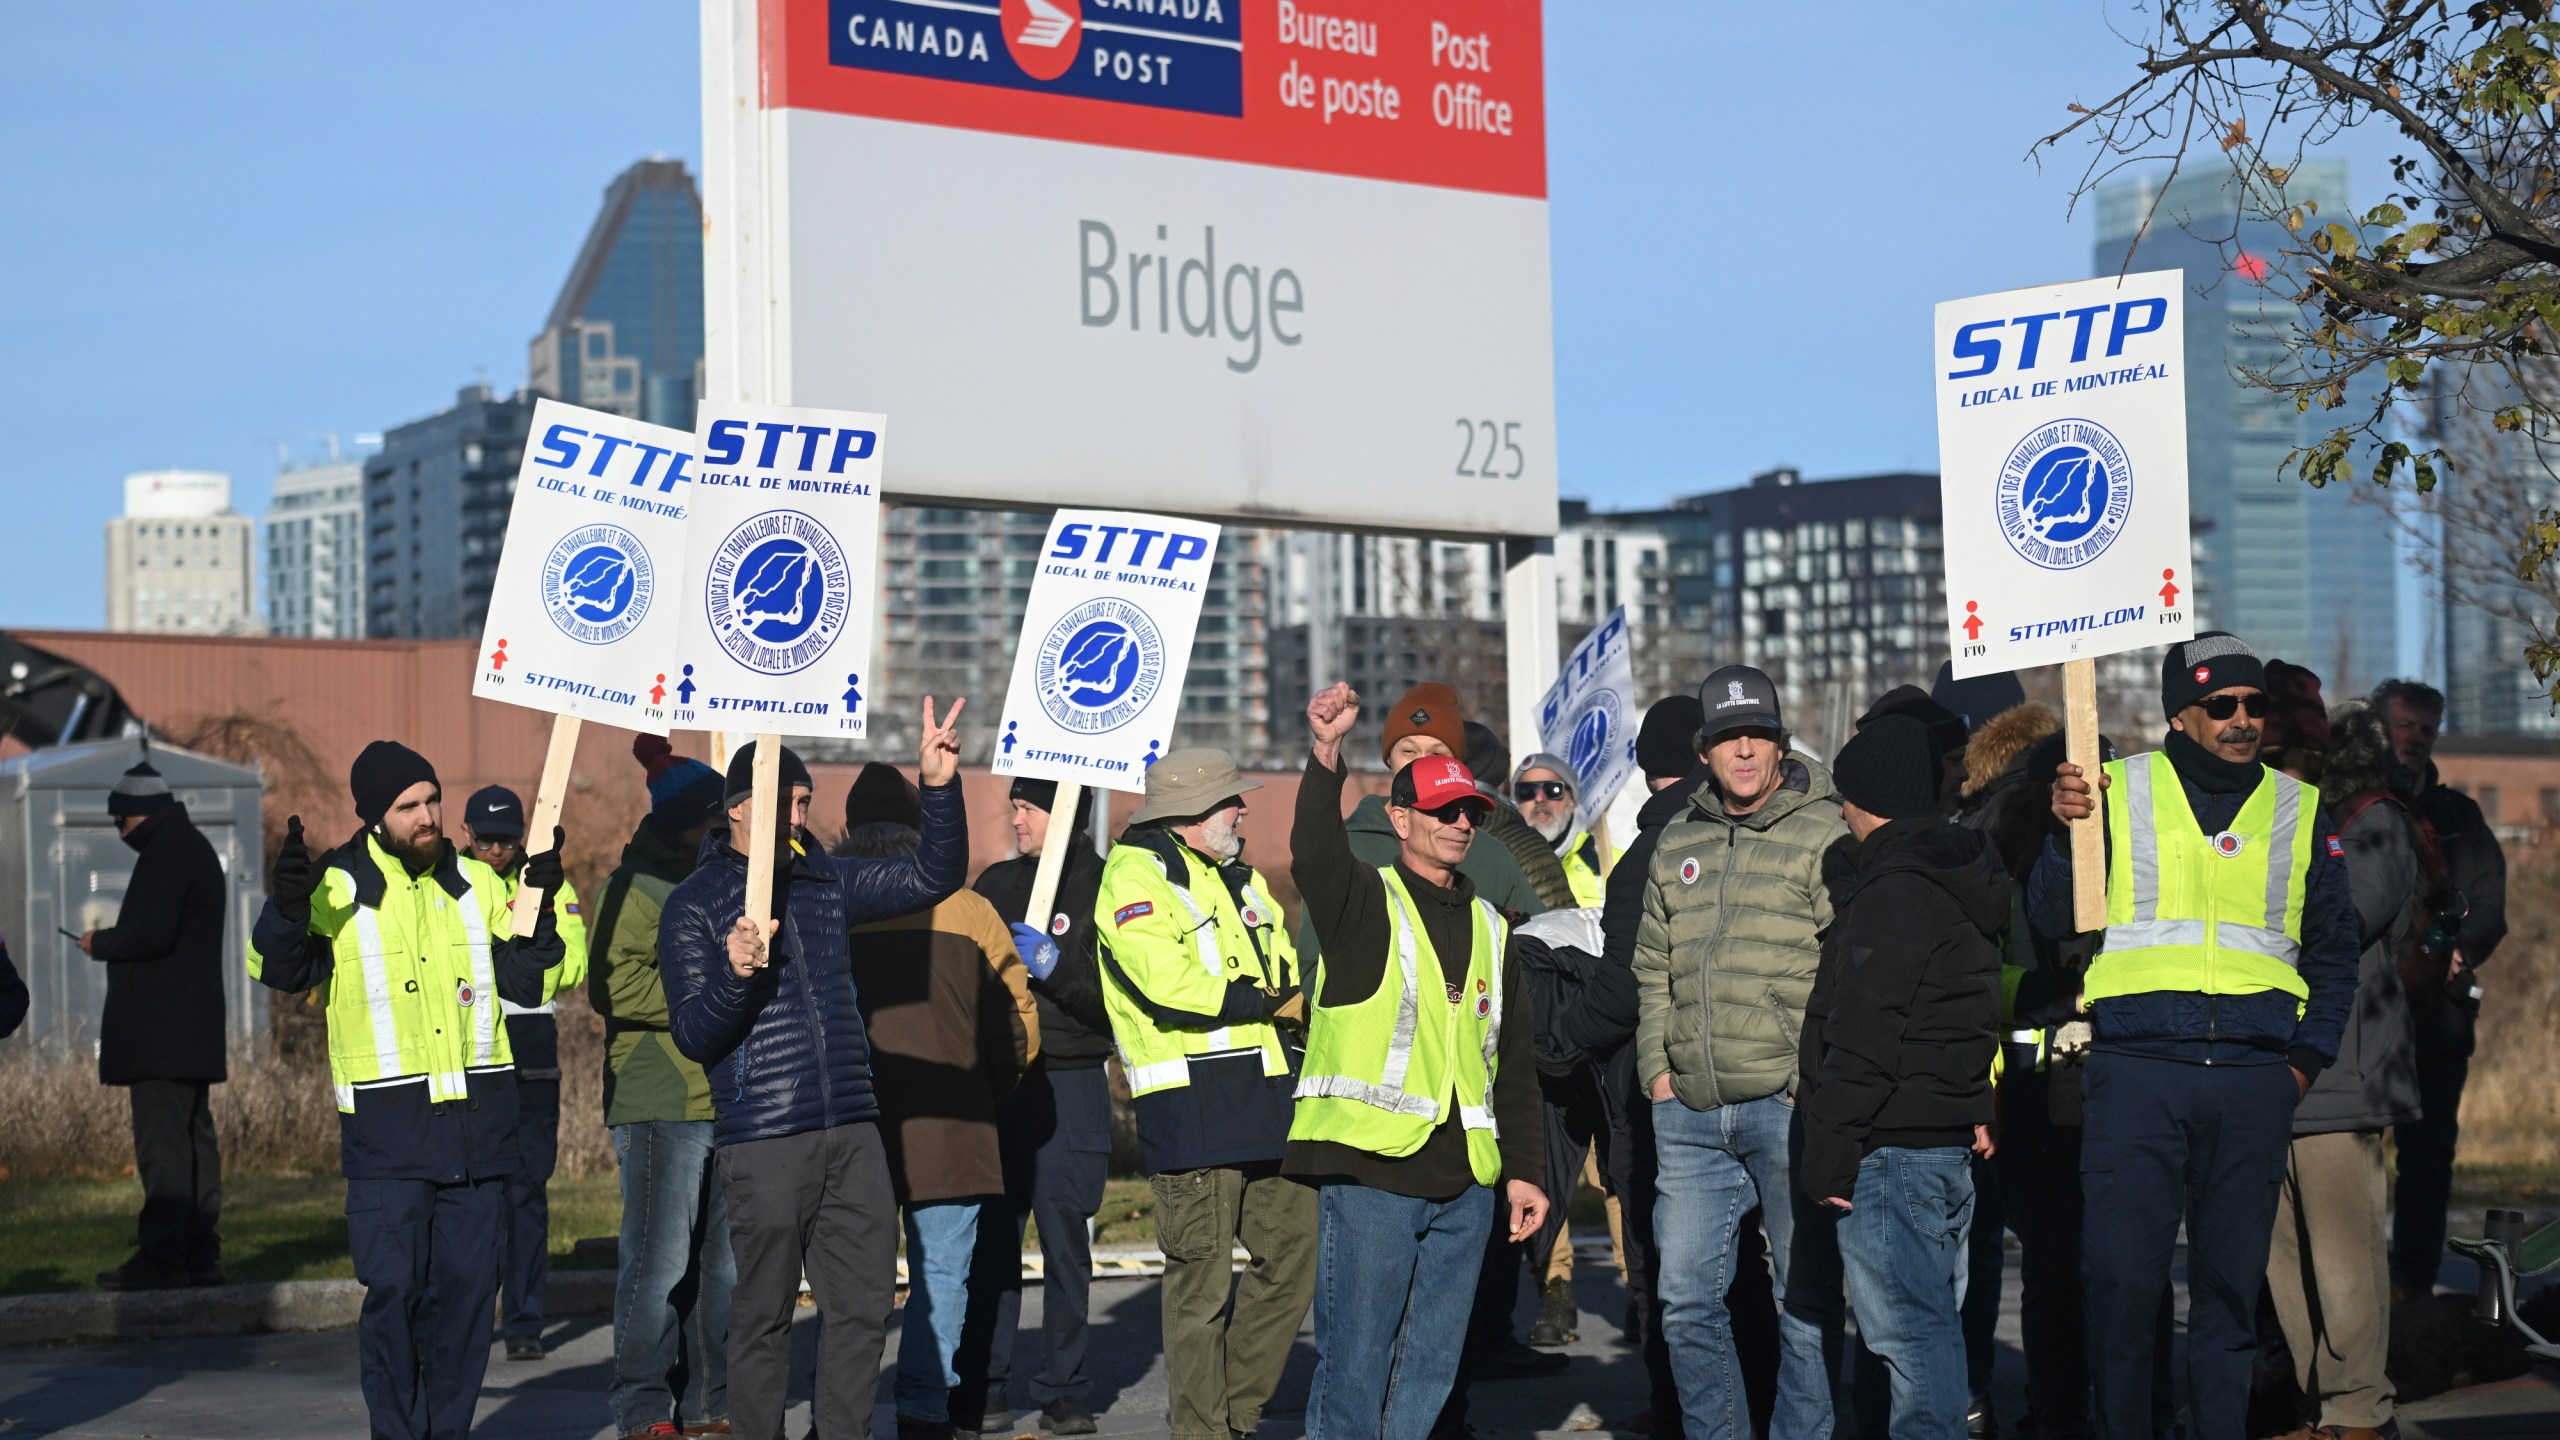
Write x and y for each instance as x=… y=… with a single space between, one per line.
x=2223 y=707
x=1527 y=790
x=1449 y=814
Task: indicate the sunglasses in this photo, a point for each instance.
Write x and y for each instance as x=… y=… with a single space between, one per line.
x=2223 y=707
x=1448 y=814
x=1528 y=790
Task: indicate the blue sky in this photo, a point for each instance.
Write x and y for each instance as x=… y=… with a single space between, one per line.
x=261 y=221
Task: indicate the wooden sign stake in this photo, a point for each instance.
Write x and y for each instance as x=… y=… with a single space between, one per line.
x=760 y=840
x=2088 y=836
x=1053 y=855
x=546 y=811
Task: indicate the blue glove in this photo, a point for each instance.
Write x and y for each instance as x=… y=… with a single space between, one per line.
x=1039 y=953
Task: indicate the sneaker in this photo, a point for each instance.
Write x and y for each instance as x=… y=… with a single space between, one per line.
x=656 y=1431
x=524 y=1347
x=141 y=1274
x=1557 y=1317
x=1067 y=1415
x=1512 y=1360
x=1979 y=1422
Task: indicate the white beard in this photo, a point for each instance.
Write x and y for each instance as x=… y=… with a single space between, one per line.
x=1218 y=837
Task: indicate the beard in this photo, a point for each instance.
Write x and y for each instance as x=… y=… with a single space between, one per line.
x=1218 y=837
x=419 y=854
x=1554 y=830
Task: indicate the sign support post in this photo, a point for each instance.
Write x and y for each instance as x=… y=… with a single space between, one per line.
x=760 y=839
x=1053 y=853
x=2089 y=833
x=546 y=810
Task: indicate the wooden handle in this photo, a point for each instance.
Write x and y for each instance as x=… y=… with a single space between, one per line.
x=1053 y=854
x=546 y=811
x=760 y=839
x=2089 y=835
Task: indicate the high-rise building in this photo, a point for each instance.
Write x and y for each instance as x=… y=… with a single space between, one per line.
x=436 y=498
x=2299 y=573
x=2491 y=482
x=625 y=335
x=1385 y=613
x=315 y=552
x=178 y=559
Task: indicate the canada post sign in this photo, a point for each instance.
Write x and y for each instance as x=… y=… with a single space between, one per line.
x=1173 y=54
x=2062 y=446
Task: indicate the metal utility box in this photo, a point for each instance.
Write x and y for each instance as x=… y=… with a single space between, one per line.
x=64 y=867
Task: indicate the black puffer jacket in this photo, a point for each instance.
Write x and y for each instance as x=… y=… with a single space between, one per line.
x=786 y=1049
x=165 y=1006
x=1903 y=1021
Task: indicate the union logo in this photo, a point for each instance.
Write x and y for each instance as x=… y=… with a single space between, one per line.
x=778 y=592
x=2063 y=494
x=597 y=582
x=1590 y=743
x=1099 y=666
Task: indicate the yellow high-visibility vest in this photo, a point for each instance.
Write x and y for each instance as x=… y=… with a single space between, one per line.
x=2214 y=914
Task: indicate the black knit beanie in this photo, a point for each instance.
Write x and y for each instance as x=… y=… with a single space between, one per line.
x=1946 y=728
x=882 y=794
x=1667 y=741
x=1889 y=769
x=139 y=791
x=381 y=773
x=742 y=773
x=2214 y=660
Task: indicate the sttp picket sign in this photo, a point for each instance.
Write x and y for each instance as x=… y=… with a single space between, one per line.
x=1106 y=640
x=780 y=574
x=2062 y=455
x=582 y=614
x=1589 y=717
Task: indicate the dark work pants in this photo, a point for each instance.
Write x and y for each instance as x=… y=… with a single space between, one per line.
x=2426 y=1148
x=527 y=1266
x=1054 y=1132
x=1572 y=1114
x=2165 y=1142
x=2039 y=1165
x=820 y=1201
x=1985 y=1258
x=181 y=1172
x=423 y=1252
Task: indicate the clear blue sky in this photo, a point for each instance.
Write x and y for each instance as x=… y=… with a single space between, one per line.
x=258 y=221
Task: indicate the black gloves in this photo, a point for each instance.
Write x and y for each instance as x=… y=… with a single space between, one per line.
x=294 y=877
x=1288 y=1008
x=542 y=872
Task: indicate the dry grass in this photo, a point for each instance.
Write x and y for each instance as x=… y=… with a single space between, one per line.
x=2511 y=1108
x=275 y=1116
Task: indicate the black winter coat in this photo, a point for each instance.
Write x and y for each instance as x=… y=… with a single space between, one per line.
x=13 y=996
x=786 y=1049
x=165 y=1010
x=1075 y=1031
x=1905 y=1012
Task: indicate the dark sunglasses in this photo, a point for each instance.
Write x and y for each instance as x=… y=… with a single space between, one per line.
x=1527 y=790
x=1448 y=814
x=2223 y=707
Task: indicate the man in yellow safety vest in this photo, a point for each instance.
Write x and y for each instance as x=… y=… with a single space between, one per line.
x=1418 y=1103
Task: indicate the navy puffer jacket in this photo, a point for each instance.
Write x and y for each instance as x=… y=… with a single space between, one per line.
x=786 y=1050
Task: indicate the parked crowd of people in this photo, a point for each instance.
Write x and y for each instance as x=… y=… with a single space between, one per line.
x=1819 y=1032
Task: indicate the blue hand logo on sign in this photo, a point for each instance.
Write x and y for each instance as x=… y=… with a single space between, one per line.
x=596 y=583
x=778 y=592
x=1599 y=724
x=2064 y=493
x=1099 y=666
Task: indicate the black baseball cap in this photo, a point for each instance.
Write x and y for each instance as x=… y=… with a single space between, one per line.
x=494 y=810
x=1738 y=697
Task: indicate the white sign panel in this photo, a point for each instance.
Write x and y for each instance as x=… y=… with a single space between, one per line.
x=1106 y=640
x=2062 y=454
x=780 y=571
x=583 y=613
x=1589 y=717
x=1174 y=246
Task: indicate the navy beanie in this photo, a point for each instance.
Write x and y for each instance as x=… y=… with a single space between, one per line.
x=1889 y=769
x=683 y=792
x=742 y=772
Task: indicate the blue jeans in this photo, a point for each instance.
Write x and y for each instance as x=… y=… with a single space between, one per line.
x=941 y=1238
x=671 y=1299
x=1395 y=1278
x=1714 y=1167
x=1903 y=1251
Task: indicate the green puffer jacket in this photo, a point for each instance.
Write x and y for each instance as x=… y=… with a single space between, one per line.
x=644 y=1076
x=1734 y=907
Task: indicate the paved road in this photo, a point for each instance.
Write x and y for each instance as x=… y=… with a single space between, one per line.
x=287 y=1387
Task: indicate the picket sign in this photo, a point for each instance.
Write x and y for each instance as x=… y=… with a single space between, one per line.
x=767 y=770
x=2062 y=473
x=1053 y=854
x=546 y=811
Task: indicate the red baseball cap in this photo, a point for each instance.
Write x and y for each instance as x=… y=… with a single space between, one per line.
x=1434 y=781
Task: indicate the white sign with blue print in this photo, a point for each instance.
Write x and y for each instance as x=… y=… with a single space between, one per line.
x=1590 y=717
x=1106 y=641
x=780 y=575
x=2062 y=455
x=582 y=614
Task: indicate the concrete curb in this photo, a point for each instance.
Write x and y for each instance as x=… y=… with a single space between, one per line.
x=236 y=1309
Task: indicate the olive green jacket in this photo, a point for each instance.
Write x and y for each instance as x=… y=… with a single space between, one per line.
x=1734 y=908
x=644 y=1076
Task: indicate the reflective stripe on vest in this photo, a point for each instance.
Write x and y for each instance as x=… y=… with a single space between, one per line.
x=1204 y=939
x=484 y=980
x=377 y=1000
x=1393 y=1092
x=2151 y=951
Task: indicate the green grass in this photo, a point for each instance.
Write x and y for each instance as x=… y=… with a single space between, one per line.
x=56 y=1235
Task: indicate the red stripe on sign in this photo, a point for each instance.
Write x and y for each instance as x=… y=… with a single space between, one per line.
x=1454 y=94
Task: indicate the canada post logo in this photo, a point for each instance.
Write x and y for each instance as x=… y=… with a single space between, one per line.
x=1171 y=54
x=2064 y=493
x=778 y=592
x=596 y=583
x=1099 y=666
